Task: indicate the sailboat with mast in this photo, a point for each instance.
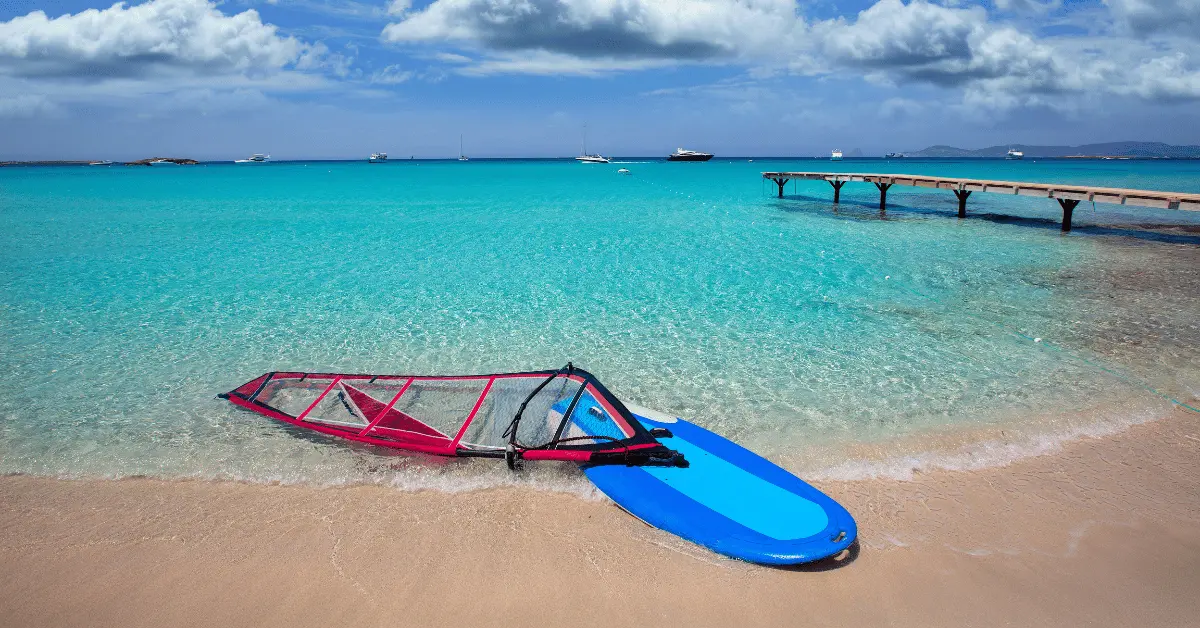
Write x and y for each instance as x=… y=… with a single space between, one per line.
x=585 y=158
x=461 y=156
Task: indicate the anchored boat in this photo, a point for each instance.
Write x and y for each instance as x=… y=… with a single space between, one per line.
x=688 y=155
x=585 y=158
x=668 y=472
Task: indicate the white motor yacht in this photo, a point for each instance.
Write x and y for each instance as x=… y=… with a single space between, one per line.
x=688 y=155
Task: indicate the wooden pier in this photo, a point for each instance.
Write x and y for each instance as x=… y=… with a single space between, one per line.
x=1067 y=195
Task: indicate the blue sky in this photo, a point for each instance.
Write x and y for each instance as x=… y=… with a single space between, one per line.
x=343 y=78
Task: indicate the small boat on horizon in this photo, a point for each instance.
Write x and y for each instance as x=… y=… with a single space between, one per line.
x=256 y=158
x=1014 y=154
x=102 y=162
x=688 y=155
x=461 y=156
x=162 y=162
x=836 y=155
x=377 y=158
x=894 y=156
x=585 y=158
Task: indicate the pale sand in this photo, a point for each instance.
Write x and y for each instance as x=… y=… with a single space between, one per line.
x=1105 y=533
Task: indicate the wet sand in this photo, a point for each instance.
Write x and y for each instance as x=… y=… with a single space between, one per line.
x=1103 y=533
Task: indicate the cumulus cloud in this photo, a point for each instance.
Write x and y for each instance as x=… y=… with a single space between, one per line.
x=890 y=42
x=679 y=30
x=895 y=35
x=1146 y=17
x=154 y=38
x=1171 y=78
x=939 y=45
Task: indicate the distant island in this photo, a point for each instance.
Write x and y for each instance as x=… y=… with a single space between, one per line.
x=1141 y=150
x=49 y=162
x=182 y=161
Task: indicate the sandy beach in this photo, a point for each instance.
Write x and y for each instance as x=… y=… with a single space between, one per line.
x=1105 y=532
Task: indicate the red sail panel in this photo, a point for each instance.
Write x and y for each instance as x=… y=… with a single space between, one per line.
x=393 y=419
x=252 y=386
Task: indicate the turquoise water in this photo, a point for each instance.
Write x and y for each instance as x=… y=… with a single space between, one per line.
x=836 y=341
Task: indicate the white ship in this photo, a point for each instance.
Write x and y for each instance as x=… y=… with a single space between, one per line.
x=836 y=155
x=1014 y=154
x=256 y=158
x=377 y=158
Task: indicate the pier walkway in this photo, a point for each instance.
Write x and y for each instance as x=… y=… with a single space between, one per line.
x=1067 y=195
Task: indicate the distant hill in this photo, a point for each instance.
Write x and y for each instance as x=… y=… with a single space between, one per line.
x=1109 y=149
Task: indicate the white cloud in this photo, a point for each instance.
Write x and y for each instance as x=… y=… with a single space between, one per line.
x=1145 y=17
x=159 y=37
x=554 y=64
x=450 y=57
x=993 y=64
x=391 y=75
x=1173 y=77
x=673 y=30
x=929 y=43
x=893 y=34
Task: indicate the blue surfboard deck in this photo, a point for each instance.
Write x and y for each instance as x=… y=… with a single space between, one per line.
x=730 y=500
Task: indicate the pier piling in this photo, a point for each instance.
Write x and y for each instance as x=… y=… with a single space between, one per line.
x=883 y=188
x=780 y=181
x=837 y=189
x=962 y=202
x=1068 y=207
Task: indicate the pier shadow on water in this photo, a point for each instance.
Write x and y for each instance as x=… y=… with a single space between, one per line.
x=1165 y=233
x=1148 y=232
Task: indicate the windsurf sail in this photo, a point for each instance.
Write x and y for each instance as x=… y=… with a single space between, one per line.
x=566 y=414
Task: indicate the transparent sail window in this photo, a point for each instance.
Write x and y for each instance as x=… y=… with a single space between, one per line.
x=539 y=421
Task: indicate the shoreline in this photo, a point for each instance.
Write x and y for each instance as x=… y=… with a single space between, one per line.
x=1105 y=531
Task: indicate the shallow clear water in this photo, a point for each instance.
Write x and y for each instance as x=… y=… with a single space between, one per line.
x=833 y=340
